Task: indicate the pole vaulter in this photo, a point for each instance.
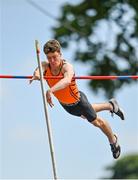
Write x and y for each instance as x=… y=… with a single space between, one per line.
x=78 y=107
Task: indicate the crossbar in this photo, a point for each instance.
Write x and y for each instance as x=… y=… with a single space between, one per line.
x=75 y=77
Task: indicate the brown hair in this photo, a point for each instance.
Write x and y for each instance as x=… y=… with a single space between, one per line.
x=51 y=46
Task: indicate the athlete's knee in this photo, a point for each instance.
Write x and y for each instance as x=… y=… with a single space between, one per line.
x=98 y=122
x=93 y=118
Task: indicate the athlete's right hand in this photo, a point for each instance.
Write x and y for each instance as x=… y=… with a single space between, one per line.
x=49 y=97
x=36 y=76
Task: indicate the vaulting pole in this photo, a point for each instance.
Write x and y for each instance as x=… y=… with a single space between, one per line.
x=46 y=112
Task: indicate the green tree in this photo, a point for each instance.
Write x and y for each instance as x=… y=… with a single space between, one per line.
x=106 y=37
x=124 y=168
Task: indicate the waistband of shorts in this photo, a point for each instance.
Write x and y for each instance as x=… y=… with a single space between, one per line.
x=72 y=104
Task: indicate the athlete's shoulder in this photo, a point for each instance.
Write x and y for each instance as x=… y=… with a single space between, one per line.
x=45 y=65
x=67 y=67
x=66 y=63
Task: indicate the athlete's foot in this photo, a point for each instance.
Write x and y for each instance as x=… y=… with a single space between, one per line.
x=116 y=109
x=115 y=148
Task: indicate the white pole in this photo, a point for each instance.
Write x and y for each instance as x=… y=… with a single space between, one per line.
x=46 y=112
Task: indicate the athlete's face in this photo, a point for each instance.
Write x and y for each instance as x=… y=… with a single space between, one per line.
x=54 y=59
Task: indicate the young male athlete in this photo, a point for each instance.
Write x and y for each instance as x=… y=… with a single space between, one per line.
x=71 y=99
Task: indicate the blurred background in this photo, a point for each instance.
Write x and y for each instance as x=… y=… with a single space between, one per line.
x=98 y=38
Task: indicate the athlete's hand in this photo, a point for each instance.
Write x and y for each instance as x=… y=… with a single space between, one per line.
x=49 y=97
x=36 y=76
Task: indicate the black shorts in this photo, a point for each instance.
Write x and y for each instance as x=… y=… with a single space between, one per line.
x=83 y=107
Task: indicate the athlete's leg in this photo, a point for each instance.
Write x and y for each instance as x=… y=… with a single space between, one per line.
x=113 y=140
x=105 y=127
x=112 y=106
x=102 y=106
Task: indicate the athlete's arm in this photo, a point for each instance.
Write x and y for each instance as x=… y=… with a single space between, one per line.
x=36 y=74
x=68 y=73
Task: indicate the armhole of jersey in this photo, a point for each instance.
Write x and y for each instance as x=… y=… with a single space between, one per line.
x=65 y=62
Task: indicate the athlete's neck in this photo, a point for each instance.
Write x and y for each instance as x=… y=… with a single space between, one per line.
x=56 y=69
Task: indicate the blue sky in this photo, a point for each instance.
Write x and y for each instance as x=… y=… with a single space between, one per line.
x=82 y=151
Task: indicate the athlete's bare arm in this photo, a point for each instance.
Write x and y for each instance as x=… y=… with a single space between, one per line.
x=36 y=74
x=68 y=73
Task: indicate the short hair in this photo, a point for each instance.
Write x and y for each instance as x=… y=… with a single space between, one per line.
x=51 y=46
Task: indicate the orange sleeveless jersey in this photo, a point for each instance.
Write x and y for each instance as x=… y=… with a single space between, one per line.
x=69 y=94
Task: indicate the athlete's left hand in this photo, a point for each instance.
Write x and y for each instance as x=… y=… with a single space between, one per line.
x=49 y=97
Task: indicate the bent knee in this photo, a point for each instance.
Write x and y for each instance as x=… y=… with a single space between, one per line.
x=92 y=118
x=98 y=122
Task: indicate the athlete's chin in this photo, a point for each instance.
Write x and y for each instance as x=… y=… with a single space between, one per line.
x=54 y=65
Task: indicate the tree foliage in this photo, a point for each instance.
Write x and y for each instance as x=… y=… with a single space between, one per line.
x=106 y=37
x=125 y=168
